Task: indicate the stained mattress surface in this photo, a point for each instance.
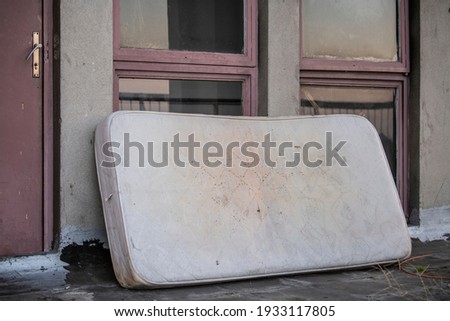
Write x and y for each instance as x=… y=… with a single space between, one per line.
x=234 y=218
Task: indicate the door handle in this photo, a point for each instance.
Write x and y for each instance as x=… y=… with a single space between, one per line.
x=35 y=53
x=36 y=47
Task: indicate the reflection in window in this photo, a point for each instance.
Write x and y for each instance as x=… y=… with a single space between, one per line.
x=376 y=104
x=350 y=29
x=194 y=25
x=181 y=96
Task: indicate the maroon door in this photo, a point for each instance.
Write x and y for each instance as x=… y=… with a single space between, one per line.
x=21 y=153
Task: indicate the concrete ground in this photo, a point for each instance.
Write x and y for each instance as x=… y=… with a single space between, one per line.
x=86 y=274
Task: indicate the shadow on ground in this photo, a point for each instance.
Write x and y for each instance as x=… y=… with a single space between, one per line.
x=84 y=272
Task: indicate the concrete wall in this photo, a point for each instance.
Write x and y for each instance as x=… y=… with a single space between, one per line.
x=434 y=103
x=279 y=57
x=429 y=119
x=86 y=98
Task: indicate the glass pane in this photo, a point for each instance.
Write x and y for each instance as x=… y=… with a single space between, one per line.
x=181 y=96
x=376 y=104
x=350 y=29
x=194 y=25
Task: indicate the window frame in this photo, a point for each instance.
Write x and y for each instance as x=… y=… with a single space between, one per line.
x=378 y=80
x=247 y=59
x=191 y=72
x=189 y=65
x=354 y=73
x=401 y=66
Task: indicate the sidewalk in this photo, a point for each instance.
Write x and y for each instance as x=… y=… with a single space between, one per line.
x=88 y=275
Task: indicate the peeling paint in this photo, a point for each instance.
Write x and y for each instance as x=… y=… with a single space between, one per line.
x=434 y=225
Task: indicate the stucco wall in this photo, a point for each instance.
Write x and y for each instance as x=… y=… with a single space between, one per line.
x=434 y=103
x=279 y=57
x=86 y=98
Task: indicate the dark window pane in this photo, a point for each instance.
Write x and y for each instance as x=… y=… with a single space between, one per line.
x=181 y=96
x=376 y=104
x=194 y=25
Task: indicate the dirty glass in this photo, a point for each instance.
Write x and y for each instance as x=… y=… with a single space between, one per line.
x=182 y=96
x=194 y=25
x=378 y=105
x=350 y=29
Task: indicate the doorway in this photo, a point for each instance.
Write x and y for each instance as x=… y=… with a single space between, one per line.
x=26 y=147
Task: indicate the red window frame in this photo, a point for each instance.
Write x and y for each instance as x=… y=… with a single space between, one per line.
x=401 y=66
x=172 y=64
x=158 y=71
x=356 y=73
x=364 y=80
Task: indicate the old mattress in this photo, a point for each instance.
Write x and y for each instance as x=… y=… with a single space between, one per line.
x=290 y=195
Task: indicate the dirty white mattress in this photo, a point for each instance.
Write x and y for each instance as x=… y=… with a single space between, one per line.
x=173 y=226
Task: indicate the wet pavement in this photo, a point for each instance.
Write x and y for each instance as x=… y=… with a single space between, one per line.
x=84 y=272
